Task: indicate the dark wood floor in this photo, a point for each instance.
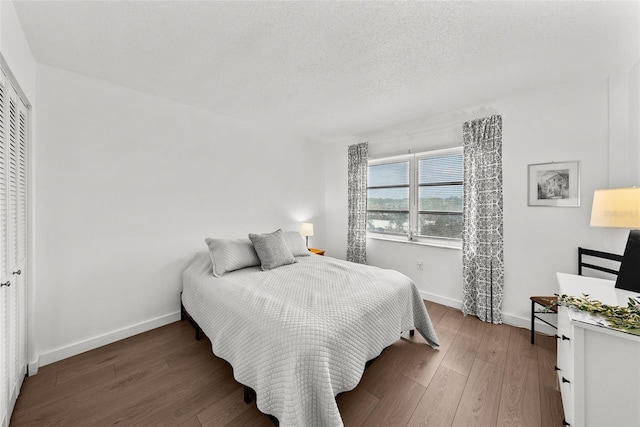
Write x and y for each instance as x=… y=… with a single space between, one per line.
x=483 y=375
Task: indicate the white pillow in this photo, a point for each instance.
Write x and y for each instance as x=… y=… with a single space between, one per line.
x=296 y=244
x=231 y=254
x=272 y=249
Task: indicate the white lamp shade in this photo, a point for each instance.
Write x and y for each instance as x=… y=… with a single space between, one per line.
x=306 y=229
x=616 y=207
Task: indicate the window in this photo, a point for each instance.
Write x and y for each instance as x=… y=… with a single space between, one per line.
x=388 y=198
x=417 y=196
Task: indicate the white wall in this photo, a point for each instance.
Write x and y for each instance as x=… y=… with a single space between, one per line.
x=15 y=50
x=555 y=124
x=128 y=185
x=624 y=127
x=634 y=124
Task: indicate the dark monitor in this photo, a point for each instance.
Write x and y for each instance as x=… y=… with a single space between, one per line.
x=629 y=274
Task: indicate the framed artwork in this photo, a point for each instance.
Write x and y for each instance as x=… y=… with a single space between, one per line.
x=554 y=184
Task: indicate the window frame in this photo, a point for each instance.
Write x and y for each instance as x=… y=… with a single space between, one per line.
x=414 y=198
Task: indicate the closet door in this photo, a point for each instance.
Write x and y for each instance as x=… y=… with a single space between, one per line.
x=13 y=215
x=18 y=271
x=4 y=303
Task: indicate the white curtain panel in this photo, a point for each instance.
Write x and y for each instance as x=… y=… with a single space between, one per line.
x=357 y=193
x=482 y=237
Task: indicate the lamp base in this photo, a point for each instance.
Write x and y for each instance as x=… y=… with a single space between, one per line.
x=629 y=274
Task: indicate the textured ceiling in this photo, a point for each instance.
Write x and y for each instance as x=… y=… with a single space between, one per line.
x=329 y=70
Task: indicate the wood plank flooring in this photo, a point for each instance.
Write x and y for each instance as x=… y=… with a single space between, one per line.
x=483 y=375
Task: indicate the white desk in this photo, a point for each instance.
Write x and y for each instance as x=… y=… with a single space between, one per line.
x=598 y=367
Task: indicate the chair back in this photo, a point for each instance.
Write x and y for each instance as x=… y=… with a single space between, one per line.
x=598 y=257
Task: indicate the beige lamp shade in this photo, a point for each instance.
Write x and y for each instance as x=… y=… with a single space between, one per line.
x=616 y=207
x=306 y=229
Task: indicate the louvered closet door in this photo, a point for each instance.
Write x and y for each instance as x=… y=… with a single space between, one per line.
x=16 y=294
x=19 y=270
x=14 y=117
x=4 y=303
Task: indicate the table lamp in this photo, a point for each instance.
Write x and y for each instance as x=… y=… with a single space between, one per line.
x=620 y=208
x=307 y=230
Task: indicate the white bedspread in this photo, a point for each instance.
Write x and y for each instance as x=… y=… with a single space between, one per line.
x=302 y=333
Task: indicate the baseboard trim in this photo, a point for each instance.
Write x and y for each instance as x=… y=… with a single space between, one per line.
x=32 y=367
x=99 y=341
x=509 y=319
x=93 y=343
x=449 y=302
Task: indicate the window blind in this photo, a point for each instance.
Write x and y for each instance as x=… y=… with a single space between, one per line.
x=440 y=195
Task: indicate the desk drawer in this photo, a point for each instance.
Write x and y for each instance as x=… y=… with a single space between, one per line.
x=565 y=363
x=565 y=347
x=568 y=401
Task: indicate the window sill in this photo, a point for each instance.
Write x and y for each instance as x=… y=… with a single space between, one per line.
x=445 y=245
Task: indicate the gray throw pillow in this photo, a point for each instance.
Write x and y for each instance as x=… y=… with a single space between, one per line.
x=272 y=249
x=231 y=254
x=296 y=243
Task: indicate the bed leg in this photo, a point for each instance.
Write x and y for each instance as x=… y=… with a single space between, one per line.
x=412 y=332
x=247 y=395
x=184 y=315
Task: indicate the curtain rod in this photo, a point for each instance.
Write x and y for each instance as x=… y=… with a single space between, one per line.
x=454 y=119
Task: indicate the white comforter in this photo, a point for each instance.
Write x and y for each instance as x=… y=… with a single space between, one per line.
x=302 y=333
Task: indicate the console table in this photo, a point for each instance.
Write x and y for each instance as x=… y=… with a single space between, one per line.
x=598 y=367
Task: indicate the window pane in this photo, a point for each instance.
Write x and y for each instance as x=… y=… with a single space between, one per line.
x=389 y=174
x=441 y=169
x=440 y=225
x=443 y=198
x=388 y=199
x=388 y=222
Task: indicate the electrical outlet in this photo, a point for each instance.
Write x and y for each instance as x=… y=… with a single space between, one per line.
x=419 y=265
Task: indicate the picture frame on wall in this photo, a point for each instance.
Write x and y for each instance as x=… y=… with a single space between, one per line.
x=554 y=184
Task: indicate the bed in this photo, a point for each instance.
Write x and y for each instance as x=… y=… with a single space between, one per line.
x=301 y=334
